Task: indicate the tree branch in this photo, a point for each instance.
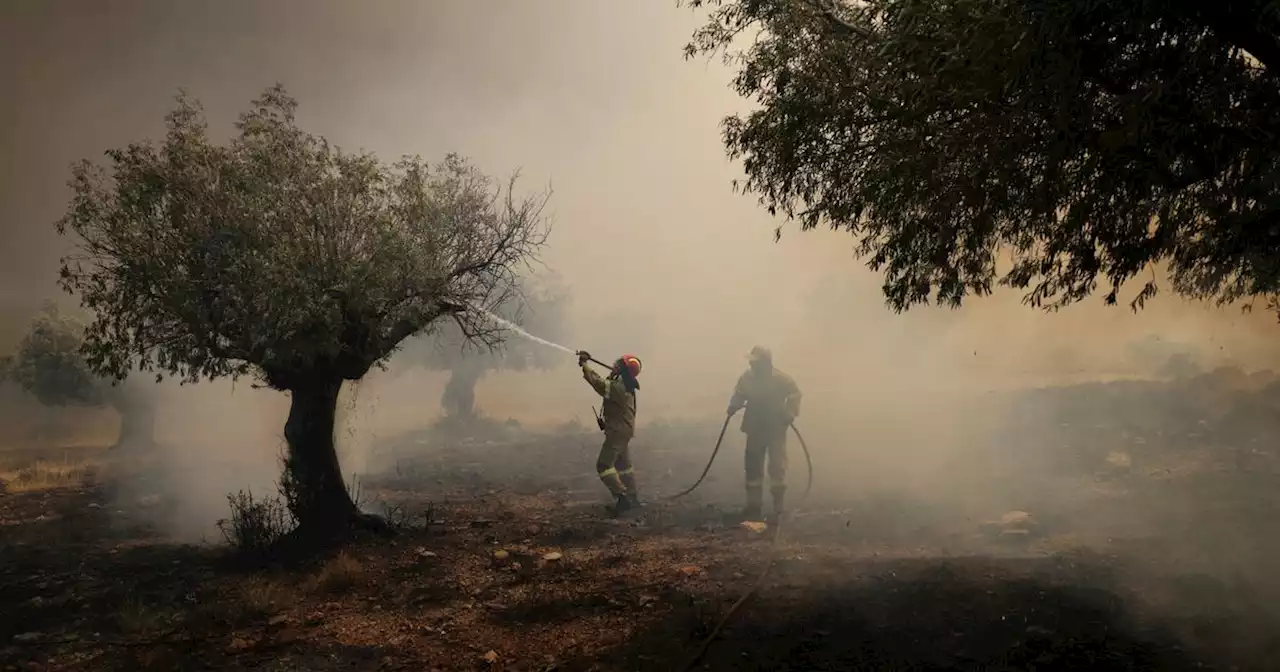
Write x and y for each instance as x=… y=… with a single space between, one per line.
x=830 y=10
x=407 y=327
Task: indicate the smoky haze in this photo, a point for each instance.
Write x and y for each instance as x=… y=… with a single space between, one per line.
x=663 y=259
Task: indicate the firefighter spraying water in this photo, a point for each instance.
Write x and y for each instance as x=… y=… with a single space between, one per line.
x=617 y=420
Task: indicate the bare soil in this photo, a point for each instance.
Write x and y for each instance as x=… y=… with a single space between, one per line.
x=867 y=582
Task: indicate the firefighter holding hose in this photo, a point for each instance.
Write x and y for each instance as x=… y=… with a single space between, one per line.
x=618 y=421
x=772 y=401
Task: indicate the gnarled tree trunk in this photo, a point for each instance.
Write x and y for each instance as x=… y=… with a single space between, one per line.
x=137 y=425
x=459 y=398
x=313 y=482
x=135 y=402
x=137 y=429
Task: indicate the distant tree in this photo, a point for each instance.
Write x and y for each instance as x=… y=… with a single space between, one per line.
x=540 y=307
x=1086 y=140
x=50 y=366
x=278 y=255
x=1164 y=357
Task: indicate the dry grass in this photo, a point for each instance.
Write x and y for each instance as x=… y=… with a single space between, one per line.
x=45 y=475
x=265 y=596
x=339 y=575
x=26 y=425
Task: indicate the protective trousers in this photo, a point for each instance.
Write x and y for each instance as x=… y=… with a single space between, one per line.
x=770 y=445
x=614 y=465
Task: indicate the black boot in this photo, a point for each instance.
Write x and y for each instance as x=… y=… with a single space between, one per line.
x=779 y=501
x=633 y=494
x=621 y=504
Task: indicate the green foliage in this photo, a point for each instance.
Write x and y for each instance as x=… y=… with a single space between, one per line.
x=48 y=363
x=279 y=255
x=1076 y=140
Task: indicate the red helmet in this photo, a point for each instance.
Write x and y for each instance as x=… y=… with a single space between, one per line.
x=631 y=362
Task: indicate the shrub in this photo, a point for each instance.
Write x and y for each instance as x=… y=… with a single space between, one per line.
x=256 y=524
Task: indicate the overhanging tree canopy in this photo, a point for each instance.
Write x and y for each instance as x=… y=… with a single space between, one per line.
x=278 y=255
x=1086 y=140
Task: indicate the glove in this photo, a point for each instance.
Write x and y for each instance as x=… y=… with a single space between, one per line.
x=583 y=357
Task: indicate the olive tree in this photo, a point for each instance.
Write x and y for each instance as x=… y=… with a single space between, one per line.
x=49 y=365
x=539 y=306
x=1045 y=145
x=278 y=255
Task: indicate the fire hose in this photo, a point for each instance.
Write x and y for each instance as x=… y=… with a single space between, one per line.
x=720 y=439
x=595 y=361
x=773 y=544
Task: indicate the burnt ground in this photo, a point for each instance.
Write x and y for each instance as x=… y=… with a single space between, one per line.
x=863 y=582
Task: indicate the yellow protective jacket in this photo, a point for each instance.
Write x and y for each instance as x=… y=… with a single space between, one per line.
x=619 y=407
x=772 y=401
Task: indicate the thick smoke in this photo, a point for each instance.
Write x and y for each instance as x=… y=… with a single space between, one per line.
x=662 y=257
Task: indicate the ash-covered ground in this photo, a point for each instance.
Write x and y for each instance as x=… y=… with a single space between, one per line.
x=1130 y=529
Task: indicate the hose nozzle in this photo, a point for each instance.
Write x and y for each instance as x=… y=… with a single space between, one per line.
x=593 y=360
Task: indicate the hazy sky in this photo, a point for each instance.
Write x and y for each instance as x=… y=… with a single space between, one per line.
x=593 y=97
